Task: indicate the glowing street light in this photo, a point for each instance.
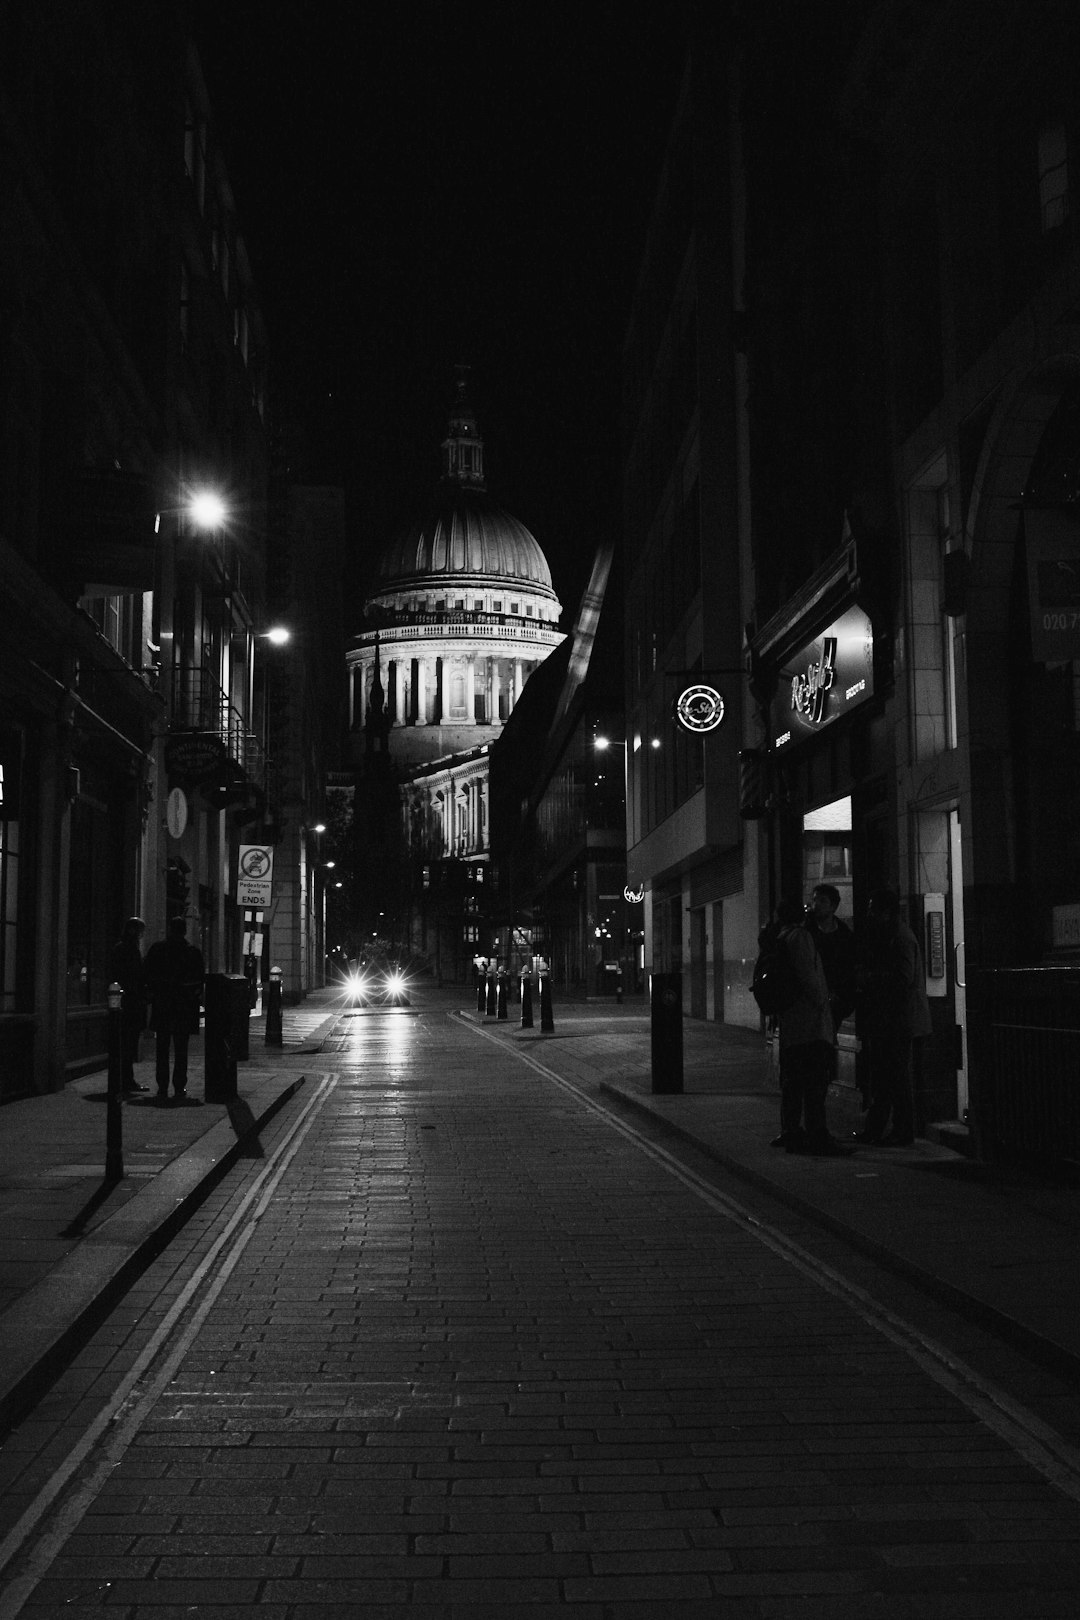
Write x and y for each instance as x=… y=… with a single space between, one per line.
x=207 y=509
x=278 y=635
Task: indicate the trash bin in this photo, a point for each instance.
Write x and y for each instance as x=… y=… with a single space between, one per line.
x=226 y=1033
x=667 y=1032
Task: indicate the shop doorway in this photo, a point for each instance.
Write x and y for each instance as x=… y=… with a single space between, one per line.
x=940 y=884
x=956 y=901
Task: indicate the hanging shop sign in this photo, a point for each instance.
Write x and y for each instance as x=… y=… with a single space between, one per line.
x=699 y=709
x=825 y=679
x=635 y=896
x=1053 y=557
x=193 y=754
x=255 y=875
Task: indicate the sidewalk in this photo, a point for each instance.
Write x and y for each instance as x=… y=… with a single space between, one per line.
x=70 y=1244
x=1004 y=1248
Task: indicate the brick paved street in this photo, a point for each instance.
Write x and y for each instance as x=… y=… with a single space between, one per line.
x=481 y=1355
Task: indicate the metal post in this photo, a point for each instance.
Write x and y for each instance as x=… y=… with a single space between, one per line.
x=273 y=1035
x=667 y=1033
x=481 y=993
x=501 y=994
x=114 y=1129
x=492 y=997
x=526 y=1000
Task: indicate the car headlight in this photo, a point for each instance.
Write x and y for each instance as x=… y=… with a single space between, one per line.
x=395 y=983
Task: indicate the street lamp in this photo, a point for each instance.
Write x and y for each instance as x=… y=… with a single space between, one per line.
x=207 y=509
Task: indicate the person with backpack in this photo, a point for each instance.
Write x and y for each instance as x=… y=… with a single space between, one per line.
x=805 y=1027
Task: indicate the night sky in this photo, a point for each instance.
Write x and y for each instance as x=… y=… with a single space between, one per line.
x=427 y=185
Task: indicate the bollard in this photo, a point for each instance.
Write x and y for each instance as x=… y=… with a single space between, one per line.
x=226 y=1003
x=273 y=1035
x=481 y=994
x=618 y=988
x=526 y=1000
x=492 y=997
x=547 y=1021
x=502 y=1012
x=667 y=1033
x=114 y=1128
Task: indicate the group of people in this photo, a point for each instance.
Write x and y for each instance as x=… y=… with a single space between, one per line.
x=880 y=978
x=168 y=982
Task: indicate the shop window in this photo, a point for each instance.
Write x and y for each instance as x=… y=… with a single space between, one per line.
x=92 y=885
x=827 y=850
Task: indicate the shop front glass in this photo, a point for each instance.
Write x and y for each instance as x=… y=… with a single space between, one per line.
x=827 y=851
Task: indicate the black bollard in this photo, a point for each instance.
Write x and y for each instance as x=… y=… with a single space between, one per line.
x=114 y=1129
x=492 y=996
x=547 y=1021
x=273 y=1009
x=526 y=1001
x=667 y=1033
x=501 y=1012
x=481 y=994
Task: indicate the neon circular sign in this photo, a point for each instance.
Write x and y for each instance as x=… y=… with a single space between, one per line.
x=699 y=708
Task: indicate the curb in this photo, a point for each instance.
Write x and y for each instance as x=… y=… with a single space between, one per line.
x=45 y=1328
x=1054 y=1357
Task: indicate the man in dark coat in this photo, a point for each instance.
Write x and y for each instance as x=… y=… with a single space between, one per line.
x=174 y=978
x=836 y=947
x=893 y=1012
x=127 y=969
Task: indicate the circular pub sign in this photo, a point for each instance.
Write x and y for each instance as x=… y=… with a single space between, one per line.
x=699 y=709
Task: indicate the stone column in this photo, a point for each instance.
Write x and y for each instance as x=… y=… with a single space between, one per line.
x=421 y=691
x=495 y=692
x=470 y=689
x=392 y=708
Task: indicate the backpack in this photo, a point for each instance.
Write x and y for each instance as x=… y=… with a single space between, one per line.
x=775 y=985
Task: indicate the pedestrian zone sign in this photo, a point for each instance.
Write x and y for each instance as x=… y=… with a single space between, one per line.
x=255 y=875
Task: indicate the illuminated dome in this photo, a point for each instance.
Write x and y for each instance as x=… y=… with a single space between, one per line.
x=466 y=539
x=461 y=614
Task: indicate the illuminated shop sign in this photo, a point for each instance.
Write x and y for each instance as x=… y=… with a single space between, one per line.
x=825 y=679
x=699 y=709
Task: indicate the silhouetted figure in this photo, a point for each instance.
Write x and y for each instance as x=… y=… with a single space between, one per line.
x=174 y=979
x=893 y=1011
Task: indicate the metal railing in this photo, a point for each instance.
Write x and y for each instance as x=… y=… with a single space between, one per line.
x=199 y=704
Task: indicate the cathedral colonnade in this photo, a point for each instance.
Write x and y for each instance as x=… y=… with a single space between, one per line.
x=475 y=688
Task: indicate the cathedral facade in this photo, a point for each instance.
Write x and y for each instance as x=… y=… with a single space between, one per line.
x=462 y=613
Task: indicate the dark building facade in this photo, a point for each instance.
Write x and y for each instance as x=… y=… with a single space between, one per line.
x=134 y=665
x=897 y=338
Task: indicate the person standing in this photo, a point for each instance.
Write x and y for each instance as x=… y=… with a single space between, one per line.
x=836 y=947
x=127 y=970
x=893 y=1012
x=806 y=1039
x=174 y=978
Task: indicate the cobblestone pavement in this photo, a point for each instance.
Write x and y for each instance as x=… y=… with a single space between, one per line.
x=471 y=1351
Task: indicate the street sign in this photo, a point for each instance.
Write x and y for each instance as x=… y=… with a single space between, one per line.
x=255 y=875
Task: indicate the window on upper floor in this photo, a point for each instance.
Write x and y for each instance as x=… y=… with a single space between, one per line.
x=1053 y=176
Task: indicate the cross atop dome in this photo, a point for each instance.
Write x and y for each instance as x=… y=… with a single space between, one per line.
x=463 y=448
